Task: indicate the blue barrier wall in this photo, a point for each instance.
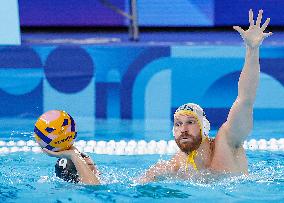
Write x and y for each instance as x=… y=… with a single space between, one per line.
x=184 y=13
x=134 y=82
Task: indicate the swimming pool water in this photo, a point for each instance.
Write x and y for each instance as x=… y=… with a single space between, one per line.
x=29 y=177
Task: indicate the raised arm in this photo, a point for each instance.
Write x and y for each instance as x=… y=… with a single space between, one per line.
x=240 y=119
x=86 y=174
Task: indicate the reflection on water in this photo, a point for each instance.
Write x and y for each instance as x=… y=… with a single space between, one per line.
x=159 y=192
x=8 y=193
x=28 y=177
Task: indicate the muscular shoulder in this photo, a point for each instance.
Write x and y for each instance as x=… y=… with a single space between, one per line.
x=223 y=143
x=226 y=156
x=220 y=144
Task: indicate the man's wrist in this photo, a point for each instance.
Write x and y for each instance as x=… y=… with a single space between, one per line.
x=250 y=48
x=75 y=154
x=252 y=51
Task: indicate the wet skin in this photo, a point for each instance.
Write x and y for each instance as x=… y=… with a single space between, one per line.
x=187 y=133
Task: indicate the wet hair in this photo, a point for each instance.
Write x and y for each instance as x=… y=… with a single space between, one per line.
x=66 y=170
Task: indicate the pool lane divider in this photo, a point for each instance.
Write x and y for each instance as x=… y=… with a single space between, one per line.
x=133 y=147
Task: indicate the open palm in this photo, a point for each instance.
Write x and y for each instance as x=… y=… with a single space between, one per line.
x=254 y=36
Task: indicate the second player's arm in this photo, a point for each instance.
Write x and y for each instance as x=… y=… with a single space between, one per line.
x=86 y=175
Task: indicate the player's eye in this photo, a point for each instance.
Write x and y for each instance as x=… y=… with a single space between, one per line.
x=49 y=130
x=177 y=124
x=191 y=122
x=65 y=122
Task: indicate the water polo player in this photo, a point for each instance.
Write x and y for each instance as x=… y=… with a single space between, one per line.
x=74 y=166
x=225 y=153
x=66 y=170
x=55 y=132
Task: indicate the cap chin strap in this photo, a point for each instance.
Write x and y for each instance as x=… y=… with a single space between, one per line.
x=191 y=156
x=201 y=122
x=190 y=160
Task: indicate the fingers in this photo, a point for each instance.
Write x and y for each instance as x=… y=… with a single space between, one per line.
x=239 y=29
x=51 y=153
x=264 y=26
x=267 y=34
x=48 y=152
x=259 y=17
x=251 y=21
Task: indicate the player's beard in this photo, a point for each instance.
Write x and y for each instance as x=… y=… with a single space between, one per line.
x=188 y=143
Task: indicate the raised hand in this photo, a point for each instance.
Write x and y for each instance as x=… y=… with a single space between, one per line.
x=254 y=36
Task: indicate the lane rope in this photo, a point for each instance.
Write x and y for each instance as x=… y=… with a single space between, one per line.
x=132 y=147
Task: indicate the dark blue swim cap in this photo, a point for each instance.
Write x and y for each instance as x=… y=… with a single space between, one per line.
x=66 y=170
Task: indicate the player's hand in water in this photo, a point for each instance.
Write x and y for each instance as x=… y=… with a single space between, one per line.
x=254 y=36
x=62 y=154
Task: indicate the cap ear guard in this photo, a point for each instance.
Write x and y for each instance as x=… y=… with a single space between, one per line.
x=206 y=126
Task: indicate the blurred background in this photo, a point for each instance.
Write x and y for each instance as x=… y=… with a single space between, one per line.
x=151 y=13
x=110 y=62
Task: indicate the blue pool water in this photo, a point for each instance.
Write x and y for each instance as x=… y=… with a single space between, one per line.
x=29 y=177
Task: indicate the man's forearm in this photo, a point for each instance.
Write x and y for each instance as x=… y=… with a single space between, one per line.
x=86 y=175
x=160 y=169
x=249 y=78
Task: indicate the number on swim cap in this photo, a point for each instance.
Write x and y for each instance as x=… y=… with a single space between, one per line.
x=63 y=163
